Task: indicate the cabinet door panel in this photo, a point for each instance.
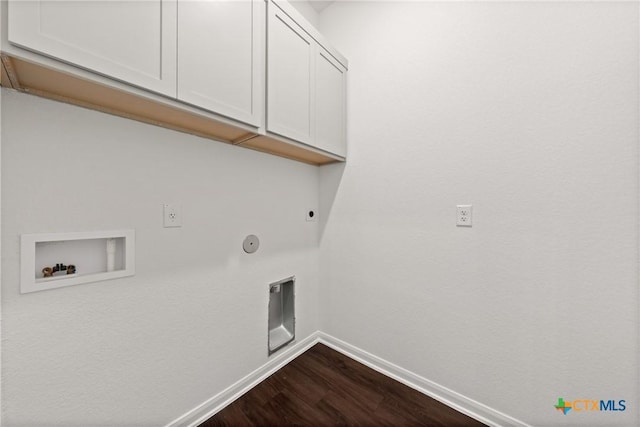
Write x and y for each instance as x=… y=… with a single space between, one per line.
x=219 y=57
x=330 y=104
x=289 y=57
x=132 y=41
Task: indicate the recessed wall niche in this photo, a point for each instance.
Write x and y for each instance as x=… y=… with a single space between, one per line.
x=55 y=260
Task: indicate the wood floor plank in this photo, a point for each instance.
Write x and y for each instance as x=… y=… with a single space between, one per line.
x=294 y=411
x=265 y=391
x=323 y=387
x=341 y=384
x=346 y=411
x=302 y=385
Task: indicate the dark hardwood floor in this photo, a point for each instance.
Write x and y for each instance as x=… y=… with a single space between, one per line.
x=322 y=387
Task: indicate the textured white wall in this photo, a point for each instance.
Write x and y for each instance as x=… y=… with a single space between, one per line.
x=528 y=111
x=144 y=350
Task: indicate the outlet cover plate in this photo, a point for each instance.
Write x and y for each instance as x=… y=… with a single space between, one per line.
x=172 y=215
x=464 y=215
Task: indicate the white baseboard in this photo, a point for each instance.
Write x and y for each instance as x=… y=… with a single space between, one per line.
x=218 y=402
x=440 y=393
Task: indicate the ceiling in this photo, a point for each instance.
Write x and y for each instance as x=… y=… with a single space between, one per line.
x=319 y=5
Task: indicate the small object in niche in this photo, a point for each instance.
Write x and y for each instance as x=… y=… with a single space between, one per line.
x=50 y=271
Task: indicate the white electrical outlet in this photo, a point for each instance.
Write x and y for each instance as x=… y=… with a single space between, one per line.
x=172 y=216
x=463 y=219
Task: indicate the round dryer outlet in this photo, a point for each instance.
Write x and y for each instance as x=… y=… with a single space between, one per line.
x=251 y=244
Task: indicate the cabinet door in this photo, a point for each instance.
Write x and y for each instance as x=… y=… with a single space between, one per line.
x=220 y=57
x=330 y=103
x=289 y=73
x=133 y=41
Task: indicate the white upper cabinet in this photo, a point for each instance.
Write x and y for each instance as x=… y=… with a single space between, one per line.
x=253 y=73
x=290 y=53
x=306 y=84
x=133 y=41
x=330 y=104
x=220 y=57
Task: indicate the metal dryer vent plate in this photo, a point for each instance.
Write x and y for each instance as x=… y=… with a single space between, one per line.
x=251 y=244
x=282 y=318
